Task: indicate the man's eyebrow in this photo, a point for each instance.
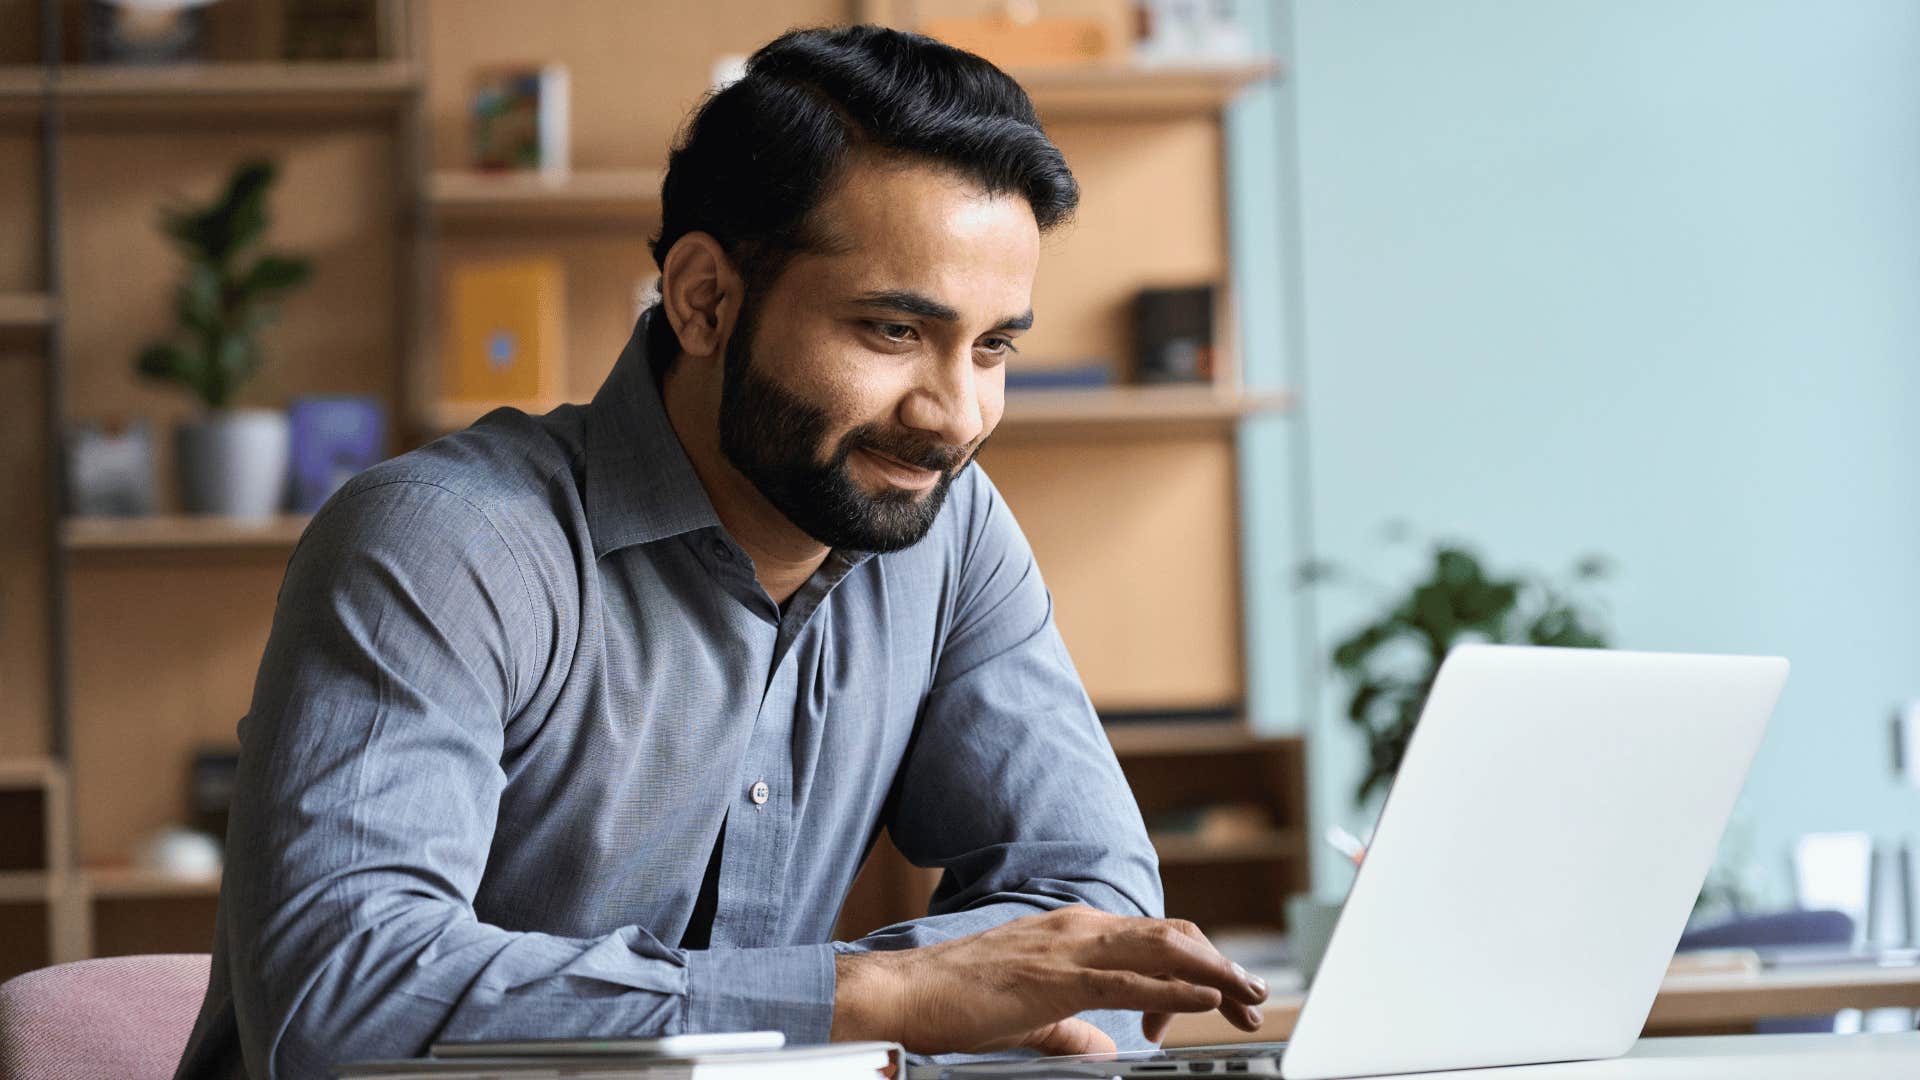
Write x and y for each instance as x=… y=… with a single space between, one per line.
x=913 y=303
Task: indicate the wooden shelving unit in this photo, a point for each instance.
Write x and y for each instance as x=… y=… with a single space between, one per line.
x=212 y=89
x=37 y=914
x=137 y=883
x=27 y=311
x=1129 y=406
x=180 y=532
x=1030 y=413
x=379 y=135
x=468 y=197
x=1188 y=851
x=1132 y=91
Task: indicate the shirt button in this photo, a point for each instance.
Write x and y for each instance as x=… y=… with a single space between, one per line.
x=721 y=551
x=759 y=792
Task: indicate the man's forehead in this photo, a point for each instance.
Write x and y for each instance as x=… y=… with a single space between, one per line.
x=929 y=232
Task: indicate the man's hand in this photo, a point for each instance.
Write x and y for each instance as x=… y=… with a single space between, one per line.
x=1020 y=984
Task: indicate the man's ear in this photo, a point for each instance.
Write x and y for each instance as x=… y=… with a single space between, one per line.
x=701 y=292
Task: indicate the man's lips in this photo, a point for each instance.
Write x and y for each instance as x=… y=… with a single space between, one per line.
x=899 y=473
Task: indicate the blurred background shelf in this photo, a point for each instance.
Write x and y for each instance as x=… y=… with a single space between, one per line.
x=1176 y=739
x=176 y=532
x=1130 y=405
x=1133 y=91
x=28 y=886
x=26 y=310
x=268 y=88
x=467 y=196
x=1175 y=850
x=1028 y=412
x=135 y=883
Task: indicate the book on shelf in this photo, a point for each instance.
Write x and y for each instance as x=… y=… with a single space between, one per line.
x=520 y=118
x=1091 y=375
x=504 y=338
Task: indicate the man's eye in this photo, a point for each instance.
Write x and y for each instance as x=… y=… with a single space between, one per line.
x=998 y=347
x=897 y=332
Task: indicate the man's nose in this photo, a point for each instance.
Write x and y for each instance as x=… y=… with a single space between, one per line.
x=946 y=403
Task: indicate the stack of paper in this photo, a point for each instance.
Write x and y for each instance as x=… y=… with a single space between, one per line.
x=837 y=1061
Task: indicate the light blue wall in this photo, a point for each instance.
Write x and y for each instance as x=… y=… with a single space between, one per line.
x=1640 y=278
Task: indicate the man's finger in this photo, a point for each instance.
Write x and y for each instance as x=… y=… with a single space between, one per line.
x=1168 y=947
x=1141 y=993
x=1069 y=1036
x=1154 y=1025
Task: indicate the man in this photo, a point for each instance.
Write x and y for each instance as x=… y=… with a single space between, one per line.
x=581 y=725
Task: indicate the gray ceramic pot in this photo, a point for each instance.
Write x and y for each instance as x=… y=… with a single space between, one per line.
x=234 y=462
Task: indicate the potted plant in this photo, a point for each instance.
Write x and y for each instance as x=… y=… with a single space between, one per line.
x=1390 y=663
x=232 y=461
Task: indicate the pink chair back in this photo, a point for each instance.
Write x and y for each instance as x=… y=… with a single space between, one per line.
x=126 y=1017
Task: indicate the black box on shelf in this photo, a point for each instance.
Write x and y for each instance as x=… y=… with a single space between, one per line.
x=1173 y=335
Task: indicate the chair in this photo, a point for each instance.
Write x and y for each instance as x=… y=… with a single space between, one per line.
x=123 y=1017
x=1776 y=930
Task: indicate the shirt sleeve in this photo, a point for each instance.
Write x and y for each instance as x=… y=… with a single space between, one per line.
x=404 y=640
x=1010 y=785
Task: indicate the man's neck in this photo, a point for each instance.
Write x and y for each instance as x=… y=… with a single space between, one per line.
x=783 y=556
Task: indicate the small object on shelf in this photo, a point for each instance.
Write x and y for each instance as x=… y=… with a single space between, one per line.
x=145 y=31
x=1189 y=32
x=520 y=118
x=1173 y=335
x=110 y=469
x=1216 y=825
x=506 y=329
x=329 y=30
x=181 y=853
x=210 y=789
x=1090 y=375
x=1018 y=36
x=334 y=437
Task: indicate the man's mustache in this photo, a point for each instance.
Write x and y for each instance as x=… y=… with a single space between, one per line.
x=909 y=450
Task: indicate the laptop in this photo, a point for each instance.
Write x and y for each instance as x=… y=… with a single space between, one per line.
x=1530 y=874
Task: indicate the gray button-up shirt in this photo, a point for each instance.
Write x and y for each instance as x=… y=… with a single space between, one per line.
x=520 y=683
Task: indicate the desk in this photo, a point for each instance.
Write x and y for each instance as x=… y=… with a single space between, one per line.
x=1686 y=1004
x=1733 y=1057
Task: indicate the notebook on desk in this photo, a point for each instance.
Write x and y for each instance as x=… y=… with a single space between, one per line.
x=1533 y=868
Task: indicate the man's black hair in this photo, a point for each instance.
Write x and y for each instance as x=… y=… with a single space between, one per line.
x=759 y=155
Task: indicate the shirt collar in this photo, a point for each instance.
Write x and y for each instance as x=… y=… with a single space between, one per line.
x=640 y=485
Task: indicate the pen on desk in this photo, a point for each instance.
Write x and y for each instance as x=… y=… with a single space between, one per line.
x=1346 y=844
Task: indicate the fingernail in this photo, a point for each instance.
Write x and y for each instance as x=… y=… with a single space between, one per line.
x=1259 y=984
x=1255 y=1014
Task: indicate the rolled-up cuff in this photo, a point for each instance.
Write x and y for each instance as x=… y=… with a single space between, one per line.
x=787 y=989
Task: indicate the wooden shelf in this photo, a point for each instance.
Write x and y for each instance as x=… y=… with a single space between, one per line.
x=136 y=883
x=332 y=88
x=1193 y=851
x=1132 y=91
x=578 y=194
x=445 y=417
x=1193 y=739
x=1029 y=412
x=28 y=774
x=27 y=311
x=28 y=886
x=180 y=532
x=1136 y=406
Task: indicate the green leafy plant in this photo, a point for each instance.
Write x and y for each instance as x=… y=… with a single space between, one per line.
x=228 y=295
x=1390 y=663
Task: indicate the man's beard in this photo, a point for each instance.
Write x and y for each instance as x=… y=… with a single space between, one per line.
x=771 y=435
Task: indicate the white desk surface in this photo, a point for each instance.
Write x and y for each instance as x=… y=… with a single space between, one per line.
x=1894 y=1056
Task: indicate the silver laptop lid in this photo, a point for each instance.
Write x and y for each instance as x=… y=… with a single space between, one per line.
x=1536 y=859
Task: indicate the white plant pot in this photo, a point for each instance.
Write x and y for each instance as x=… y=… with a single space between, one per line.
x=234 y=462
